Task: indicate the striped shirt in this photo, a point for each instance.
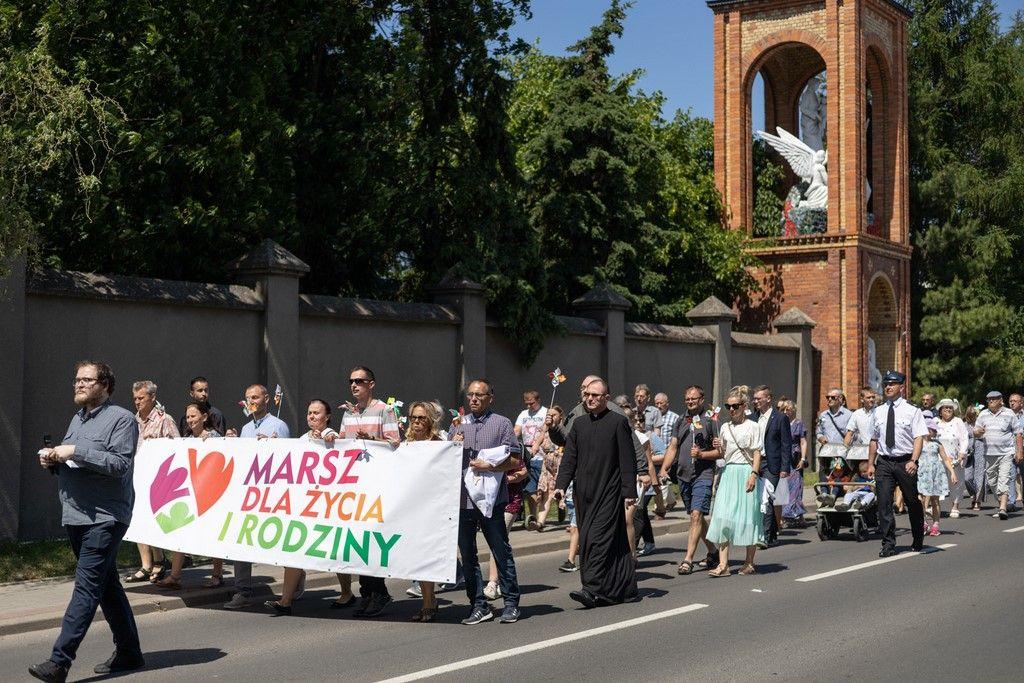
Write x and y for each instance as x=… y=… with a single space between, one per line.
x=377 y=419
x=668 y=421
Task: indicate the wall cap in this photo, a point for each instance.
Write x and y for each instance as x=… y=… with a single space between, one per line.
x=268 y=258
x=602 y=296
x=711 y=310
x=794 y=319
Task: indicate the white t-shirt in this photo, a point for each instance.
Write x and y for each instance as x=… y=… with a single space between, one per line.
x=862 y=425
x=308 y=436
x=530 y=424
x=740 y=437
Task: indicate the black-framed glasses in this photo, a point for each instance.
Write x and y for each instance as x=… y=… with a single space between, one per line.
x=833 y=398
x=358 y=380
x=589 y=395
x=733 y=406
x=87 y=381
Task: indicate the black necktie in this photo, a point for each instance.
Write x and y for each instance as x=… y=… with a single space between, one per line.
x=890 y=428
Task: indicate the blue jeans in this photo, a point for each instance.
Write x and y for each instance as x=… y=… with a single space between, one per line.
x=96 y=585
x=496 y=535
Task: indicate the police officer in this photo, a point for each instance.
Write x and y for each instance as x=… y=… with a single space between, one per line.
x=892 y=460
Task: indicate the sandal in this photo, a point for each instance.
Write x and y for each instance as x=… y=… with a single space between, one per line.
x=213 y=582
x=156 y=573
x=169 y=583
x=718 y=573
x=424 y=615
x=142 y=574
x=685 y=568
x=709 y=561
x=747 y=570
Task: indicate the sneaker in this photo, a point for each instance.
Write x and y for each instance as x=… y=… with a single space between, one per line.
x=478 y=615
x=121 y=661
x=842 y=506
x=237 y=601
x=509 y=615
x=1002 y=514
x=49 y=671
x=761 y=545
x=855 y=506
x=568 y=566
x=934 y=530
x=647 y=549
x=954 y=514
x=277 y=608
x=492 y=591
x=448 y=587
x=373 y=606
x=414 y=591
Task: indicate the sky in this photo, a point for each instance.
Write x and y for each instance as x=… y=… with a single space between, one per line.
x=669 y=39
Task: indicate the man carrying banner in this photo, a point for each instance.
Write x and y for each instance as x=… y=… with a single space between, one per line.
x=94 y=466
x=479 y=430
x=599 y=461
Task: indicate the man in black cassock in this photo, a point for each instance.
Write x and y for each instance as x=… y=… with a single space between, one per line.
x=600 y=462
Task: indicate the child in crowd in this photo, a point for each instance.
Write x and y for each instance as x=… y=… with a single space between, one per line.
x=859 y=497
x=932 y=484
x=574 y=533
x=838 y=474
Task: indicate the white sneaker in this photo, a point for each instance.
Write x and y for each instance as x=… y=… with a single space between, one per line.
x=492 y=591
x=954 y=514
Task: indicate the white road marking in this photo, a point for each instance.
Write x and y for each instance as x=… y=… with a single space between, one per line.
x=1010 y=531
x=505 y=654
x=874 y=563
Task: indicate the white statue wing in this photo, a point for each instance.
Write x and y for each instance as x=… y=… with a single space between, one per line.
x=799 y=156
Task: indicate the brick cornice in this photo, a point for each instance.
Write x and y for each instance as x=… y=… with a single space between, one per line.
x=769 y=247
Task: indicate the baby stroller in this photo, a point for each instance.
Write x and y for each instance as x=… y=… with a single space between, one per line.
x=833 y=515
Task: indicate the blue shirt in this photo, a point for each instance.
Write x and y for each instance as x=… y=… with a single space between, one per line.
x=668 y=421
x=95 y=484
x=833 y=426
x=268 y=426
x=487 y=430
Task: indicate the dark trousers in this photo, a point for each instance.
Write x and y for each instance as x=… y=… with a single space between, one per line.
x=646 y=531
x=771 y=529
x=496 y=535
x=889 y=475
x=370 y=585
x=96 y=585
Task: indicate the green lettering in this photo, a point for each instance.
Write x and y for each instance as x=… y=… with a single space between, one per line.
x=248 y=526
x=385 y=548
x=337 y=540
x=224 y=529
x=290 y=546
x=313 y=550
x=278 y=529
x=362 y=551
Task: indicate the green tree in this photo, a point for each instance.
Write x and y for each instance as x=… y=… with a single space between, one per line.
x=967 y=186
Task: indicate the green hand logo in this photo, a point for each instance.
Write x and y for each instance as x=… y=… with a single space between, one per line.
x=178 y=517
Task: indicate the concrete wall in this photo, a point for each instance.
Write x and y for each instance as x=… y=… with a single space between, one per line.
x=262 y=330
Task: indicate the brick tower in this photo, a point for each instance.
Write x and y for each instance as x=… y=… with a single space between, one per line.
x=854 y=278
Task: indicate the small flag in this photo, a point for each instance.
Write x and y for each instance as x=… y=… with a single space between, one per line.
x=245 y=408
x=278 y=395
x=396 y=406
x=556 y=377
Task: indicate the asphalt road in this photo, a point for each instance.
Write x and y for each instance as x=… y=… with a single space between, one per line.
x=949 y=613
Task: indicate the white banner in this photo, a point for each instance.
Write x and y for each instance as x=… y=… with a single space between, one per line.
x=356 y=507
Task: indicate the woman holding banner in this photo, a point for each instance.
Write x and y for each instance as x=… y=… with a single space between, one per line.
x=318 y=417
x=200 y=426
x=423 y=426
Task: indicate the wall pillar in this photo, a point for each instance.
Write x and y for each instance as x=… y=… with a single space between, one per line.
x=274 y=272
x=798 y=326
x=608 y=307
x=470 y=303
x=715 y=317
x=13 y=454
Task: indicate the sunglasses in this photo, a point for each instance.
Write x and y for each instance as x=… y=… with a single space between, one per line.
x=417 y=418
x=357 y=380
x=733 y=406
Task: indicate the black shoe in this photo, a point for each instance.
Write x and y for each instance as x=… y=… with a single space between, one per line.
x=342 y=605
x=917 y=547
x=509 y=616
x=478 y=616
x=888 y=552
x=121 y=661
x=373 y=606
x=49 y=671
x=277 y=608
x=584 y=597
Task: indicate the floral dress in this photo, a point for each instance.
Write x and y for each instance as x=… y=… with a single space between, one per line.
x=931 y=472
x=549 y=472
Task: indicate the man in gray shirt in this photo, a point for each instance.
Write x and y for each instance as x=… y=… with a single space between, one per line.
x=94 y=466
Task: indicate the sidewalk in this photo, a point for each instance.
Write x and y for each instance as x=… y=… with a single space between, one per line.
x=39 y=605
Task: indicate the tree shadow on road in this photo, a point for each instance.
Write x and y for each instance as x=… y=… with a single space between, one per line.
x=168 y=659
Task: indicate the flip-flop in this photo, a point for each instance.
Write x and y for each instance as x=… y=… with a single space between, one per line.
x=685 y=568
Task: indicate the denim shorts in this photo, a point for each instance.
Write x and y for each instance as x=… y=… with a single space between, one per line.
x=696 y=495
x=530 y=485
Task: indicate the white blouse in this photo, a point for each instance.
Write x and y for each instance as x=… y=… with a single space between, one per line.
x=740 y=437
x=954 y=438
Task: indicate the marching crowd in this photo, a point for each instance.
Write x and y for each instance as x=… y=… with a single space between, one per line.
x=736 y=470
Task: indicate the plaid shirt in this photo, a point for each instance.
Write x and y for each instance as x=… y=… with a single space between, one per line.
x=158 y=425
x=668 y=421
x=488 y=430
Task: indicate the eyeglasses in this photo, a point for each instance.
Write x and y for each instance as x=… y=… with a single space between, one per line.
x=833 y=398
x=733 y=406
x=417 y=418
x=590 y=395
x=357 y=380
x=87 y=381
x=476 y=395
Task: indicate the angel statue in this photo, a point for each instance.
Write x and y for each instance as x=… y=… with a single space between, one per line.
x=807 y=163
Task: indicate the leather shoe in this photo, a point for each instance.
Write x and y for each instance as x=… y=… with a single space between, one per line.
x=584 y=597
x=49 y=671
x=121 y=661
x=888 y=552
x=917 y=547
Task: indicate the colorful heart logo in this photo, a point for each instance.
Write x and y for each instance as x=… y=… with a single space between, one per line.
x=179 y=516
x=210 y=478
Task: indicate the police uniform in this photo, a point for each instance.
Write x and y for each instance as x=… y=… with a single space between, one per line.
x=897 y=425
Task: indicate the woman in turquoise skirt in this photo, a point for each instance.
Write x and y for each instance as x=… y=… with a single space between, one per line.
x=736 y=517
